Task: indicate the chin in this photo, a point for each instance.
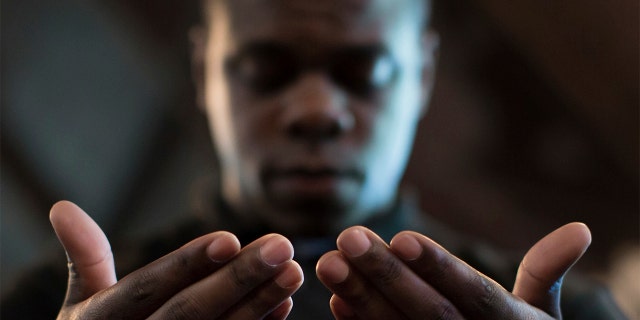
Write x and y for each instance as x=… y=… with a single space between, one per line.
x=310 y=216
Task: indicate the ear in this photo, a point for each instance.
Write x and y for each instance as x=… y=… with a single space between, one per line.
x=198 y=39
x=430 y=50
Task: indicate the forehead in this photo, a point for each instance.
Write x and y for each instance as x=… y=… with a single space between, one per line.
x=320 y=21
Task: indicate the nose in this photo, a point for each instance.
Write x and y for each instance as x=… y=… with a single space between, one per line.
x=316 y=111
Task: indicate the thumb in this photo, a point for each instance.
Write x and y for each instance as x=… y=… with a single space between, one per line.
x=91 y=267
x=540 y=275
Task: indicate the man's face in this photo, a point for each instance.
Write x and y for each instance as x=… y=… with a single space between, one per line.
x=313 y=106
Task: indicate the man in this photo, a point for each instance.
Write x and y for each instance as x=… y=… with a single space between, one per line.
x=313 y=107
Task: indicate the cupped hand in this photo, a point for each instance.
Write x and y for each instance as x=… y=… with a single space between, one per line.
x=210 y=277
x=415 y=278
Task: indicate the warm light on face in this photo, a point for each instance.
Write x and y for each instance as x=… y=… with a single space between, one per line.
x=216 y=94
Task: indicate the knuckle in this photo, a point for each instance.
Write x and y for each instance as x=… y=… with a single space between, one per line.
x=257 y=309
x=488 y=297
x=244 y=275
x=388 y=271
x=447 y=312
x=357 y=295
x=143 y=286
x=187 y=307
x=259 y=305
x=442 y=266
x=361 y=300
x=91 y=308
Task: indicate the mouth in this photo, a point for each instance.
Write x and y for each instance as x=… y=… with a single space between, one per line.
x=316 y=182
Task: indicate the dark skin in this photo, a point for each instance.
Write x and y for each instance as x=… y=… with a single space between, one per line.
x=318 y=153
x=331 y=139
x=217 y=279
x=415 y=278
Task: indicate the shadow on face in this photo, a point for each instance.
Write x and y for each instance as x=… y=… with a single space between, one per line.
x=313 y=105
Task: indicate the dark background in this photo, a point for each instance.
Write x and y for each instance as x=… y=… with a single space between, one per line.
x=533 y=122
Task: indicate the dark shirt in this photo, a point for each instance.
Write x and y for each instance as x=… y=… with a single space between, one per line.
x=39 y=295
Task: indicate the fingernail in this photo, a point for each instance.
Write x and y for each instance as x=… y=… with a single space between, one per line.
x=276 y=251
x=289 y=278
x=335 y=269
x=407 y=247
x=354 y=242
x=222 y=249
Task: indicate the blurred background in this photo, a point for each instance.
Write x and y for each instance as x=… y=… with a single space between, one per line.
x=533 y=124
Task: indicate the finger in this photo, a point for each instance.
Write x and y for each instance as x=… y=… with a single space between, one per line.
x=140 y=293
x=282 y=311
x=473 y=294
x=541 y=271
x=91 y=267
x=399 y=284
x=356 y=291
x=340 y=309
x=218 y=293
x=265 y=299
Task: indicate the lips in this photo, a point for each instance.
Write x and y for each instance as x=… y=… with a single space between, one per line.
x=310 y=181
